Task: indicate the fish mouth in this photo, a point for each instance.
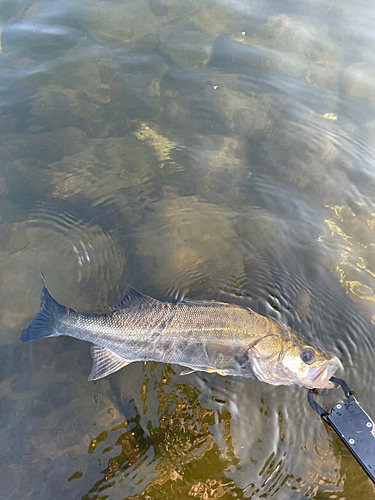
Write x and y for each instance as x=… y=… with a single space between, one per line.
x=321 y=381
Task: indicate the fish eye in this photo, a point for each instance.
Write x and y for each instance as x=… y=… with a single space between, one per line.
x=307 y=355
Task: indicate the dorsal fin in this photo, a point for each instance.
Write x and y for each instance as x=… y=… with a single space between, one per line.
x=133 y=298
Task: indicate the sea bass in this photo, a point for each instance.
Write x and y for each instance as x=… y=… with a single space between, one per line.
x=205 y=336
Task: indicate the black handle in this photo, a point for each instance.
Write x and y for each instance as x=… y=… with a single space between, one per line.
x=353 y=426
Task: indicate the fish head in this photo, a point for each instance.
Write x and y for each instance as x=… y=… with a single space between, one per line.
x=285 y=361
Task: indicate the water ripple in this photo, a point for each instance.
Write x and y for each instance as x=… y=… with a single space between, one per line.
x=73 y=249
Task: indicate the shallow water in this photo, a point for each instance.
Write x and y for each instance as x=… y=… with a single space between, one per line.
x=214 y=150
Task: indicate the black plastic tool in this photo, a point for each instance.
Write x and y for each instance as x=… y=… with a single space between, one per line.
x=353 y=426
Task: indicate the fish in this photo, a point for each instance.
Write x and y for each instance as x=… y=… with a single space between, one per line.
x=208 y=336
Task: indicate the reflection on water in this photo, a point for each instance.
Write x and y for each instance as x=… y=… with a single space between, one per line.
x=181 y=455
x=211 y=149
x=180 y=444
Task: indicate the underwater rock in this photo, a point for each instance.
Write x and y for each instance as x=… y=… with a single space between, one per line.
x=263 y=231
x=77 y=90
x=248 y=113
x=369 y=129
x=187 y=46
x=184 y=239
x=92 y=91
x=329 y=7
x=177 y=110
x=131 y=24
x=222 y=170
x=69 y=108
x=296 y=47
x=213 y=19
x=136 y=86
x=102 y=170
x=71 y=254
x=4 y=190
x=47 y=41
x=162 y=146
x=305 y=157
x=303 y=304
x=358 y=81
x=26 y=151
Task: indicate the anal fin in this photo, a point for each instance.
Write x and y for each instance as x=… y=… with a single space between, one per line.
x=105 y=362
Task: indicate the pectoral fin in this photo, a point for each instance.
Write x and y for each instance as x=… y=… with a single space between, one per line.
x=223 y=360
x=226 y=358
x=105 y=362
x=190 y=369
x=187 y=371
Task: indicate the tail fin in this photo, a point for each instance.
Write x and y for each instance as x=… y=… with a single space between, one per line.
x=44 y=322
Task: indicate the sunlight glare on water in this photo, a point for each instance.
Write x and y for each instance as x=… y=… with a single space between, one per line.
x=213 y=150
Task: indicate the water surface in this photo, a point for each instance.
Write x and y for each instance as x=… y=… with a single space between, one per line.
x=208 y=149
